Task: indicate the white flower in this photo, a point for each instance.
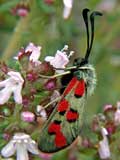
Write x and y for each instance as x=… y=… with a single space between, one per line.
x=104 y=150
x=60 y=60
x=21 y=143
x=11 y=85
x=117 y=114
x=67 y=8
x=41 y=112
x=35 y=52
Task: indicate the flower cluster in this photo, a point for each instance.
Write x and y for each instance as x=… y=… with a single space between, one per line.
x=25 y=93
x=105 y=127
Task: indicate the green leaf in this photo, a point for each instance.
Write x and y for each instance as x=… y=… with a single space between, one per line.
x=87 y=154
x=63 y=155
x=44 y=7
x=6 y=6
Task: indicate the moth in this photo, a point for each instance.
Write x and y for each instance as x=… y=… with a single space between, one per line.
x=64 y=124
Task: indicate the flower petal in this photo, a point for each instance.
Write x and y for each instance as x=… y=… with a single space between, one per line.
x=60 y=60
x=8 y=150
x=3 y=83
x=67 y=8
x=21 y=150
x=16 y=76
x=104 y=150
x=35 y=51
x=49 y=58
x=32 y=147
x=17 y=94
x=41 y=111
x=27 y=116
x=5 y=95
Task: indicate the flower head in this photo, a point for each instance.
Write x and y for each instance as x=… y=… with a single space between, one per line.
x=21 y=143
x=21 y=10
x=60 y=60
x=67 y=8
x=104 y=150
x=35 y=52
x=11 y=85
x=32 y=51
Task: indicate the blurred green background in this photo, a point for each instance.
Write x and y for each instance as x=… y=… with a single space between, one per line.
x=46 y=26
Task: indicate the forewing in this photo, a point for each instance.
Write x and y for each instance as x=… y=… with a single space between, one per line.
x=63 y=126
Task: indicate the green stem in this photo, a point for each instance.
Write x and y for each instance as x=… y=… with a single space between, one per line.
x=17 y=110
x=15 y=39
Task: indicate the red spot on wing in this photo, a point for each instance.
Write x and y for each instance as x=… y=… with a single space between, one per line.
x=80 y=89
x=60 y=140
x=70 y=86
x=72 y=116
x=63 y=105
x=54 y=128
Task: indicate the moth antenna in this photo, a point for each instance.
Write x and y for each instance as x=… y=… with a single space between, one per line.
x=85 y=17
x=92 y=17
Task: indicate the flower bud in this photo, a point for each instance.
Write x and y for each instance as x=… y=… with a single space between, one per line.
x=32 y=77
x=49 y=2
x=50 y=84
x=20 y=10
x=111 y=128
x=27 y=116
x=6 y=136
x=108 y=108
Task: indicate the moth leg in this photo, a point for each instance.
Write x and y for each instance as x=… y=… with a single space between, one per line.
x=54 y=76
x=55 y=100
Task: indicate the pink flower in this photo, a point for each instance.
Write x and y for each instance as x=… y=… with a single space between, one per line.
x=50 y=84
x=117 y=114
x=11 y=85
x=21 y=10
x=67 y=8
x=108 y=107
x=104 y=150
x=34 y=53
x=60 y=60
x=27 y=116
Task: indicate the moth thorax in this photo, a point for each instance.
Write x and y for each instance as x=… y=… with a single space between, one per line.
x=87 y=72
x=90 y=78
